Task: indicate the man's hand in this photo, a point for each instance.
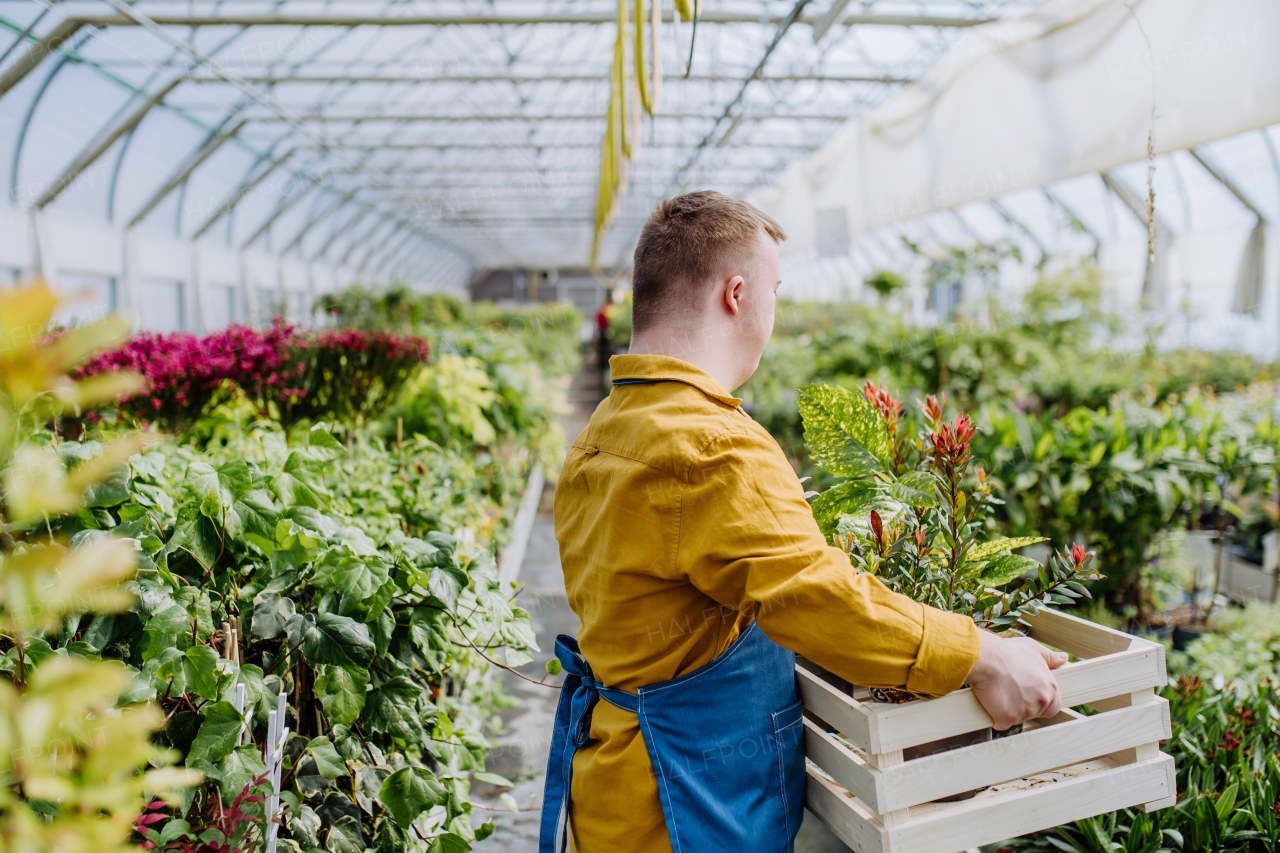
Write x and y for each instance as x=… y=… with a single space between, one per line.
x=1012 y=680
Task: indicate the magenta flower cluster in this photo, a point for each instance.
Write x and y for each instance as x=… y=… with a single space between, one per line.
x=278 y=368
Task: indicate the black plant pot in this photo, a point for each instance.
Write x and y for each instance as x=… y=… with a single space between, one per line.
x=1183 y=636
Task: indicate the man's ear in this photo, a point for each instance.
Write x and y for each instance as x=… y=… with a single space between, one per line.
x=733 y=291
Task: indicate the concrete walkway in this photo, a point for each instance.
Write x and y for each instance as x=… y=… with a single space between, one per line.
x=520 y=753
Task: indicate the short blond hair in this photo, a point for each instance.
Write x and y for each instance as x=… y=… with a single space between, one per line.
x=687 y=240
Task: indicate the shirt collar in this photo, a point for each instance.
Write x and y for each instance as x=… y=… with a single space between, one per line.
x=664 y=368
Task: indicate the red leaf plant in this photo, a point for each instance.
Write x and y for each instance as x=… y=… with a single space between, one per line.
x=233 y=824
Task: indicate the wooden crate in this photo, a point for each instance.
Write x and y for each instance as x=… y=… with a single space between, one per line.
x=1055 y=771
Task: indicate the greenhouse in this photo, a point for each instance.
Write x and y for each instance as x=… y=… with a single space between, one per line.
x=640 y=425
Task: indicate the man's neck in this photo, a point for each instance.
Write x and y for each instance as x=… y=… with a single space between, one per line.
x=702 y=348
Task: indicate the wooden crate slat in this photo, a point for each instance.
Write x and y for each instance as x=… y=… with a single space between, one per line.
x=1057 y=771
x=848 y=818
x=1035 y=751
x=1007 y=814
x=844 y=714
x=1082 y=638
x=1090 y=680
x=841 y=763
x=956 y=713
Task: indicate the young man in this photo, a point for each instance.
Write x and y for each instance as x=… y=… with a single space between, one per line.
x=697 y=569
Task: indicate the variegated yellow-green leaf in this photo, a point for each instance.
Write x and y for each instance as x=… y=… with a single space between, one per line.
x=995 y=546
x=1005 y=568
x=848 y=498
x=915 y=489
x=844 y=433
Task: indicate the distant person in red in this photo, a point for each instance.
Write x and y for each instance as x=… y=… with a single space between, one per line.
x=604 y=347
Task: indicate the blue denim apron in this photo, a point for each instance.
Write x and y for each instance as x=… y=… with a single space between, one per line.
x=726 y=743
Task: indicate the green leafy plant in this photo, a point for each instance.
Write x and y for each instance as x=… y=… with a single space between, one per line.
x=380 y=646
x=913 y=510
x=885 y=282
x=1227 y=751
x=75 y=746
x=1117 y=477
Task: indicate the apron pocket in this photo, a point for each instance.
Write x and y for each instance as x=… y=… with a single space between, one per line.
x=788 y=734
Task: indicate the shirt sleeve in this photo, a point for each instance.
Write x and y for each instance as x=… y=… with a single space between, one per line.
x=746 y=534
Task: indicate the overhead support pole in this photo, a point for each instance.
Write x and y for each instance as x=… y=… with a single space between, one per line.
x=40 y=48
x=368 y=235
x=606 y=18
x=316 y=220
x=550 y=78
x=338 y=232
x=280 y=210
x=100 y=143
x=367 y=117
x=1020 y=225
x=1221 y=177
x=235 y=198
x=828 y=19
x=184 y=169
x=385 y=241
x=1057 y=201
x=729 y=111
x=507 y=146
x=392 y=256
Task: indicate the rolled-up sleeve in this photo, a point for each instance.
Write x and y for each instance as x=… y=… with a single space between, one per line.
x=746 y=534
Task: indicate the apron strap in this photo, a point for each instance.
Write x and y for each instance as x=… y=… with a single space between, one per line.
x=578 y=696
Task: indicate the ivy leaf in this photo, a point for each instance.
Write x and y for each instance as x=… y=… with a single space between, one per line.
x=331 y=639
x=101 y=631
x=217 y=736
x=271 y=612
x=329 y=763
x=851 y=498
x=368 y=785
x=341 y=691
x=409 y=792
x=112 y=490
x=163 y=631
x=987 y=549
x=345 y=836
x=239 y=768
x=998 y=571
x=301 y=481
x=494 y=779
x=253 y=515
x=304 y=825
x=843 y=432
x=339 y=640
x=392 y=709
x=195 y=533
x=449 y=842
x=388 y=837
x=447 y=583
x=201 y=668
x=356 y=578
x=257 y=698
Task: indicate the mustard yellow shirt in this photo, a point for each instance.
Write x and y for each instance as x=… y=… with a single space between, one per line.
x=679 y=520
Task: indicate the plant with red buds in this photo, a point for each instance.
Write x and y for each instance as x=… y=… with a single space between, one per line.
x=914 y=510
x=931 y=407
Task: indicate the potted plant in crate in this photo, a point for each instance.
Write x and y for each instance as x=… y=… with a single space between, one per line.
x=887 y=772
x=913 y=512
x=914 y=509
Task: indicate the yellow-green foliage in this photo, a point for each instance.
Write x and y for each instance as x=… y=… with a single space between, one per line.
x=71 y=760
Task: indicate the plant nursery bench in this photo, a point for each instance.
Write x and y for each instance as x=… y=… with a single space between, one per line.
x=1054 y=771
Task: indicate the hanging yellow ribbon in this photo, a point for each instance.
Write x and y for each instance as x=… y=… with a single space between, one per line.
x=619 y=145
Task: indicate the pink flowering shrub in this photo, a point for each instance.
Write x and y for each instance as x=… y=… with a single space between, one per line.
x=286 y=372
